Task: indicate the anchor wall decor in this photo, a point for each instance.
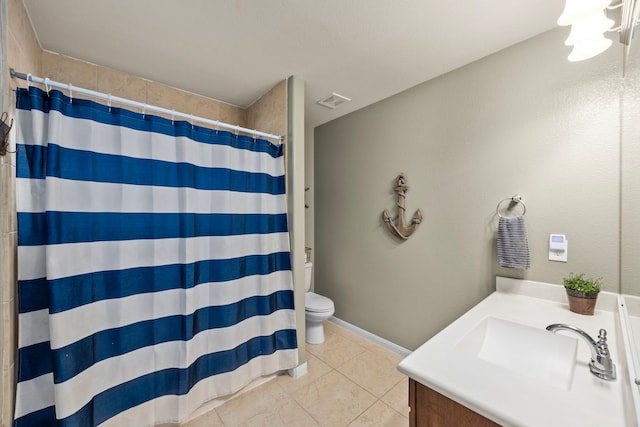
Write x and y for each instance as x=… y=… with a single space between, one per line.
x=402 y=230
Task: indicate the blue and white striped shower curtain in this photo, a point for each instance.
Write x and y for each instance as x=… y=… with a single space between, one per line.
x=153 y=264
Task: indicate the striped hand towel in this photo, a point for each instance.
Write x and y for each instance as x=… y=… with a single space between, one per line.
x=513 y=247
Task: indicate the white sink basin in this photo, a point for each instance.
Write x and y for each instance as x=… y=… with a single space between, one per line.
x=533 y=353
x=498 y=360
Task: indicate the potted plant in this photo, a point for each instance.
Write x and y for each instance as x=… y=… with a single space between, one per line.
x=582 y=293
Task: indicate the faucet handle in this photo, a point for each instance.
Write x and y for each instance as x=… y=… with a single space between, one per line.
x=602 y=339
x=603 y=347
x=602 y=336
x=604 y=363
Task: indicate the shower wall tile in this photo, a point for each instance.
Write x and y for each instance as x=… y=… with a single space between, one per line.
x=20 y=25
x=33 y=55
x=8 y=198
x=203 y=107
x=269 y=113
x=23 y=52
x=18 y=21
x=68 y=70
x=16 y=60
x=14 y=9
x=10 y=333
x=121 y=84
x=215 y=110
x=232 y=115
x=9 y=350
x=166 y=97
x=8 y=395
x=24 y=55
x=79 y=73
x=9 y=270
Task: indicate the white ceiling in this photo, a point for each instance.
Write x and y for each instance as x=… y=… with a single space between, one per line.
x=237 y=50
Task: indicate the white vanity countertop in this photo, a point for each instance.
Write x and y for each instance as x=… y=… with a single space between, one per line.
x=513 y=399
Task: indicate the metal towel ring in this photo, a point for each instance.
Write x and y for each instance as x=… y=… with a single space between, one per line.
x=515 y=199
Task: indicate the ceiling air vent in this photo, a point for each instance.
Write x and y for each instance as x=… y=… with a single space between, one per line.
x=333 y=101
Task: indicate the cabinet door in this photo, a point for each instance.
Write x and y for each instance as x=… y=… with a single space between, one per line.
x=431 y=409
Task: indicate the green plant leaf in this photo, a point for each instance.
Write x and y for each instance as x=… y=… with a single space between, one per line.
x=579 y=283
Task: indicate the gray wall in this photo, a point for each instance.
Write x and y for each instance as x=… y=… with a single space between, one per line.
x=522 y=121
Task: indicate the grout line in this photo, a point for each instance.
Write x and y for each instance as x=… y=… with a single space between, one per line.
x=377 y=399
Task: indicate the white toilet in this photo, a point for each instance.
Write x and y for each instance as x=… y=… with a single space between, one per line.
x=317 y=309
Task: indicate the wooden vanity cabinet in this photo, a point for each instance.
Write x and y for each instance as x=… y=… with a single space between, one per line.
x=431 y=409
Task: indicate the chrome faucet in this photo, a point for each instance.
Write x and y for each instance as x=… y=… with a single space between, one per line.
x=601 y=364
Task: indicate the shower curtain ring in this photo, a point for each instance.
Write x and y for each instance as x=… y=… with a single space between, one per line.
x=173 y=113
x=109 y=102
x=191 y=116
x=70 y=93
x=144 y=107
x=46 y=85
x=29 y=79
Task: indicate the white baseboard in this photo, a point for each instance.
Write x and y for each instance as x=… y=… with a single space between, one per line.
x=371 y=337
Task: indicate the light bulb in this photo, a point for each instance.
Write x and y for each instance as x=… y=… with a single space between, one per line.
x=589 y=48
x=575 y=10
x=588 y=28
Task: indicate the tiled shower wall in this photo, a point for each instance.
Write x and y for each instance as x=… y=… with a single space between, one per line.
x=269 y=113
x=23 y=53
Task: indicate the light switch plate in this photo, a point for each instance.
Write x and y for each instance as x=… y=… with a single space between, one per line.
x=558 y=248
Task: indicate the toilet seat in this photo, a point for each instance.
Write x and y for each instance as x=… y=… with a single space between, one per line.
x=317 y=303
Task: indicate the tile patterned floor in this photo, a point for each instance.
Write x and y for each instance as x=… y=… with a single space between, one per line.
x=350 y=382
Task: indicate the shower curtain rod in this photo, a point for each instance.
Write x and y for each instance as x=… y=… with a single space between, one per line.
x=145 y=107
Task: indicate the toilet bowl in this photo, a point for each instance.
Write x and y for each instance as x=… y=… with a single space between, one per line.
x=317 y=309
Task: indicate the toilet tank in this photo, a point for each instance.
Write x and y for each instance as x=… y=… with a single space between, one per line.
x=308 y=268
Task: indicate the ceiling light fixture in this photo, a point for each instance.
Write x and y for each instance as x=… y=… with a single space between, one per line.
x=629 y=20
x=576 y=10
x=589 y=21
x=586 y=28
x=589 y=48
x=588 y=25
